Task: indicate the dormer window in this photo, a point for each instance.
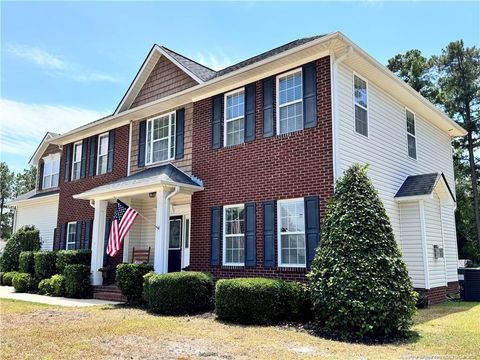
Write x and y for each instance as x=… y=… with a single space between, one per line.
x=51 y=171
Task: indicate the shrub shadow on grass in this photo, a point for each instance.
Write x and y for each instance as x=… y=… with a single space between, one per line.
x=434 y=312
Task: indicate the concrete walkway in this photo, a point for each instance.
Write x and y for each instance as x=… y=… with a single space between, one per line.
x=8 y=292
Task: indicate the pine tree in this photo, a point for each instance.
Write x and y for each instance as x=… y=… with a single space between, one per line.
x=359 y=282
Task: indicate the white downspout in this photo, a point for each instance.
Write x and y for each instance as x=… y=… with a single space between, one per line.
x=129 y=148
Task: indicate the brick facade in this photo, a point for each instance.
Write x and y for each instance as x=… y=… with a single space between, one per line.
x=439 y=294
x=70 y=209
x=280 y=167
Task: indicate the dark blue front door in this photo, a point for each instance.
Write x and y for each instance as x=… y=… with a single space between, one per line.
x=175 y=244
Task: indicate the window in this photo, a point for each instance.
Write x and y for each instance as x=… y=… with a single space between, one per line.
x=77 y=160
x=291 y=224
x=71 y=235
x=102 y=154
x=161 y=138
x=234 y=235
x=51 y=169
x=290 y=102
x=411 y=137
x=234 y=118
x=361 y=101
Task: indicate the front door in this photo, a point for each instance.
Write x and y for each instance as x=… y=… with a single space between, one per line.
x=175 y=244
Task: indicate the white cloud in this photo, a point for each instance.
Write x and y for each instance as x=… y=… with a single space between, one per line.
x=216 y=61
x=24 y=125
x=55 y=65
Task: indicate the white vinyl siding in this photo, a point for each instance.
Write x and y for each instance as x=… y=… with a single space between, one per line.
x=234 y=127
x=289 y=102
x=51 y=171
x=160 y=139
x=234 y=235
x=71 y=235
x=291 y=233
x=102 y=155
x=142 y=233
x=76 y=160
x=411 y=138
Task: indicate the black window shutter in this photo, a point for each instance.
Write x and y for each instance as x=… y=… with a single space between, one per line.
x=179 y=133
x=142 y=141
x=312 y=226
x=92 y=161
x=83 y=165
x=68 y=162
x=250 y=235
x=63 y=237
x=215 y=236
x=40 y=175
x=267 y=107
x=87 y=237
x=217 y=121
x=268 y=208
x=111 y=147
x=250 y=120
x=78 y=234
x=309 y=95
x=108 y=223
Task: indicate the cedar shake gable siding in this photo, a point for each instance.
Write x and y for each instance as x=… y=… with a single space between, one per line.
x=288 y=166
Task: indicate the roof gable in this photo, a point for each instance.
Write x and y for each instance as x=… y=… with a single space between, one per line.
x=42 y=147
x=416 y=186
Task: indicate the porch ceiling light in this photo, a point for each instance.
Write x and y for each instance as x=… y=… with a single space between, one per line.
x=152 y=195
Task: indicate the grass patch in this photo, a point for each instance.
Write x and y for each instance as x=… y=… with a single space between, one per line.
x=31 y=331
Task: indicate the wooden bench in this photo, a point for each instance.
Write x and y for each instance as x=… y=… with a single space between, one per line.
x=140 y=256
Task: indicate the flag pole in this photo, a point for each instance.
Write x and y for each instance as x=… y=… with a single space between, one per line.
x=147 y=220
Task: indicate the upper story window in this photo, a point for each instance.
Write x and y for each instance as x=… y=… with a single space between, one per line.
x=76 y=160
x=161 y=138
x=411 y=137
x=51 y=170
x=291 y=234
x=234 y=117
x=290 y=102
x=234 y=235
x=361 y=104
x=71 y=235
x=102 y=153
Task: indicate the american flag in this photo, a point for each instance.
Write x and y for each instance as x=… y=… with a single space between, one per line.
x=123 y=219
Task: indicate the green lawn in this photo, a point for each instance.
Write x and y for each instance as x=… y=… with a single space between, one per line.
x=35 y=331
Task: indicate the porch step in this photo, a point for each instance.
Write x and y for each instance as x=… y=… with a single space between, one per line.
x=110 y=293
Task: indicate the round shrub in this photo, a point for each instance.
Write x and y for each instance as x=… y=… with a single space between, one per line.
x=180 y=292
x=359 y=283
x=57 y=282
x=8 y=277
x=70 y=257
x=45 y=264
x=26 y=262
x=77 y=281
x=129 y=279
x=22 y=282
x=27 y=238
x=249 y=300
x=45 y=287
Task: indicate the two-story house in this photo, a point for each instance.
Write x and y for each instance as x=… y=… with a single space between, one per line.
x=231 y=170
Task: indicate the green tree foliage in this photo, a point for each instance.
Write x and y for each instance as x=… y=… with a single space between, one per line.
x=26 y=238
x=359 y=283
x=6 y=183
x=25 y=181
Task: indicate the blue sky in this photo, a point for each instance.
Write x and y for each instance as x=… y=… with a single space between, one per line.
x=65 y=64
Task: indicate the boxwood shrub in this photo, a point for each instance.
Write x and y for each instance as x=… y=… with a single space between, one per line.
x=77 y=281
x=45 y=287
x=146 y=286
x=45 y=264
x=54 y=286
x=1 y=277
x=180 y=292
x=8 y=277
x=129 y=279
x=70 y=257
x=22 y=282
x=296 y=301
x=26 y=262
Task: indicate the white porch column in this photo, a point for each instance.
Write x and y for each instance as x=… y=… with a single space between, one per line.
x=98 y=241
x=160 y=261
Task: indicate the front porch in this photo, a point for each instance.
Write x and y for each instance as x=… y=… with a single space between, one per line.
x=162 y=197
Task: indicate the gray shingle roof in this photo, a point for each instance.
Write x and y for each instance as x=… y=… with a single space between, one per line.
x=423 y=184
x=32 y=194
x=201 y=71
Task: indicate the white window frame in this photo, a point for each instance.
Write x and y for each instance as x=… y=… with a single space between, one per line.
x=51 y=158
x=74 y=223
x=170 y=136
x=361 y=106
x=279 y=235
x=79 y=161
x=407 y=110
x=277 y=102
x=107 y=135
x=224 y=242
x=232 y=119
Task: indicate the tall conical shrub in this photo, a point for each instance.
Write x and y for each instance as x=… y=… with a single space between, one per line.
x=359 y=283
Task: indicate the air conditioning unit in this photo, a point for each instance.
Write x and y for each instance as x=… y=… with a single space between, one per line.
x=437 y=252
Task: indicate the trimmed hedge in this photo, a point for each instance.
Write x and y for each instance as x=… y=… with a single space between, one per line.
x=55 y=286
x=70 y=257
x=1 y=277
x=8 y=277
x=296 y=301
x=27 y=238
x=45 y=264
x=129 y=279
x=77 y=281
x=146 y=286
x=26 y=262
x=179 y=292
x=22 y=282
